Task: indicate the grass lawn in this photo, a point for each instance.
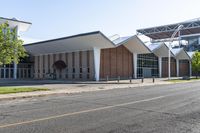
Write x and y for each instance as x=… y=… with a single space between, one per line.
x=183 y=80
x=7 y=90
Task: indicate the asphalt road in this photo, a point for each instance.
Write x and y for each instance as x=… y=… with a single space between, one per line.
x=156 y=109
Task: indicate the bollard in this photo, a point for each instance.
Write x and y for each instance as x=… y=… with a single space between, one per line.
x=118 y=79
x=153 y=79
x=107 y=78
x=130 y=79
x=142 y=80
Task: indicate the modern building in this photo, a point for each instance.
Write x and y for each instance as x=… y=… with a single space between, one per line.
x=93 y=56
x=188 y=36
x=9 y=71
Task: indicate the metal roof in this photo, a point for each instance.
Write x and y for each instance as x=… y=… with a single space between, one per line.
x=159 y=49
x=181 y=54
x=165 y=31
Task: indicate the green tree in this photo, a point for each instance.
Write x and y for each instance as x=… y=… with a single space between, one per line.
x=11 y=49
x=196 y=63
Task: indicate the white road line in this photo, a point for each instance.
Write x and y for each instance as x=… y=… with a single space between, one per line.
x=79 y=112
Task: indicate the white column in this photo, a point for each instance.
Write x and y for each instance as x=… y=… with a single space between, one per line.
x=97 y=53
x=190 y=67
x=160 y=66
x=135 y=64
x=15 y=64
x=177 y=67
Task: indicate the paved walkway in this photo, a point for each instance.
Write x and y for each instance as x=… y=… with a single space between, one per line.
x=66 y=87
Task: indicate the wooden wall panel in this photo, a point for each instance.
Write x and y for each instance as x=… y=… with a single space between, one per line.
x=184 y=68
x=113 y=63
x=165 y=67
x=116 y=62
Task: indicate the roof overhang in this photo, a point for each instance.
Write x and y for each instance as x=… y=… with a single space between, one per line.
x=160 y=50
x=22 y=25
x=135 y=45
x=80 y=42
x=181 y=54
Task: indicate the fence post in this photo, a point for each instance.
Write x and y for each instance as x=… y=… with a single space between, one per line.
x=107 y=78
x=130 y=79
x=118 y=79
x=142 y=79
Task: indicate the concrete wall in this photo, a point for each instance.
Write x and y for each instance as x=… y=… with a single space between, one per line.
x=80 y=66
x=116 y=62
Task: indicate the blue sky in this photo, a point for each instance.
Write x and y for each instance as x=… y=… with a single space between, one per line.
x=59 y=18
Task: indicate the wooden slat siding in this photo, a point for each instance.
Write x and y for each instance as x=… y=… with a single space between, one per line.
x=35 y=67
x=57 y=71
x=41 y=67
x=84 y=65
x=88 y=64
x=107 y=63
x=48 y=63
x=184 y=68
x=130 y=60
x=38 y=67
x=76 y=65
x=113 y=60
x=54 y=59
x=67 y=68
x=102 y=63
x=70 y=66
x=63 y=58
x=73 y=65
x=165 y=67
x=80 y=66
x=116 y=62
x=51 y=63
x=91 y=64
x=44 y=71
x=125 y=63
x=119 y=61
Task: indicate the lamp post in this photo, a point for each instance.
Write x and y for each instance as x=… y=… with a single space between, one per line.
x=169 y=51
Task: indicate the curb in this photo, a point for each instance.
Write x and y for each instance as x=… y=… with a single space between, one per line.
x=63 y=93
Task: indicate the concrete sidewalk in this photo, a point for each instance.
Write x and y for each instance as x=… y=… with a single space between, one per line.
x=63 y=87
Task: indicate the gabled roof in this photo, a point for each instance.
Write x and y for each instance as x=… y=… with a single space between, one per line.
x=180 y=53
x=133 y=44
x=159 y=49
x=191 y=54
x=85 y=41
x=22 y=25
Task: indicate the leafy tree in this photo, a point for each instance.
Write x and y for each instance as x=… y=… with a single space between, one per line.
x=196 y=63
x=11 y=49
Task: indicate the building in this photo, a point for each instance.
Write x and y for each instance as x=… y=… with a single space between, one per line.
x=93 y=56
x=188 y=36
x=10 y=70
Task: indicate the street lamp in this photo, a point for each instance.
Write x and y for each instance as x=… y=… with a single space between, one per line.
x=170 y=42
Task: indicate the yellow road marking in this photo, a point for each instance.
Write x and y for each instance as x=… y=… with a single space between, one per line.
x=79 y=112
